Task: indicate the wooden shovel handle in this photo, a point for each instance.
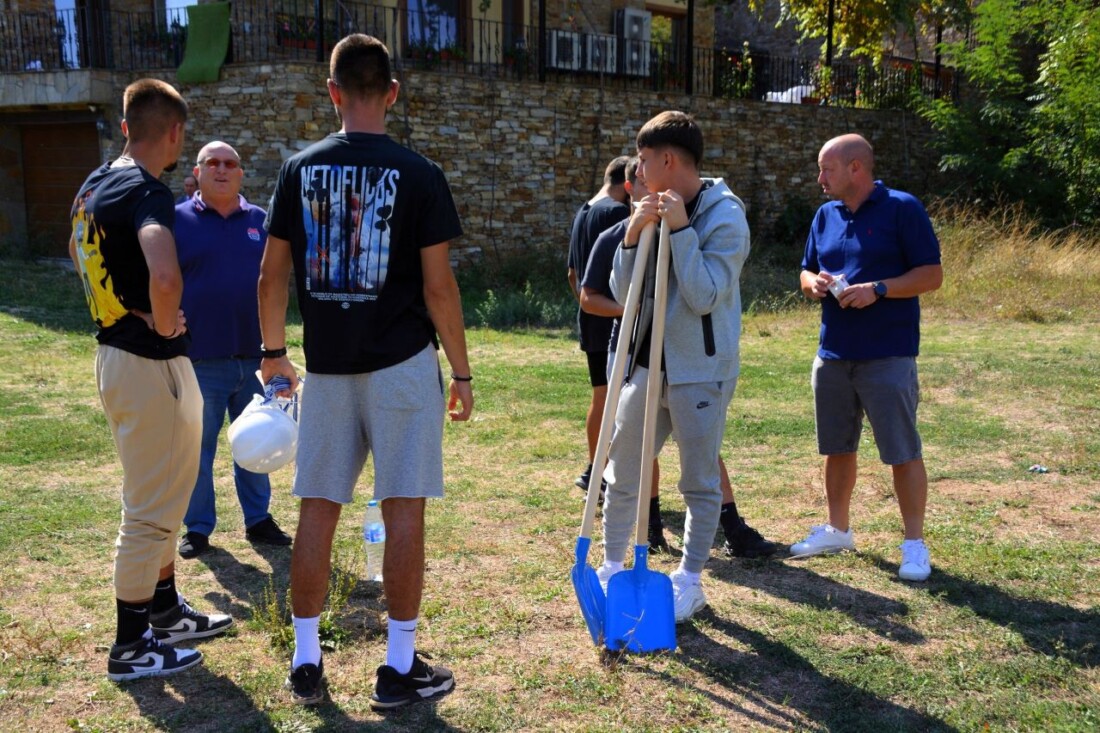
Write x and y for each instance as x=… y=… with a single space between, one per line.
x=653 y=383
x=615 y=384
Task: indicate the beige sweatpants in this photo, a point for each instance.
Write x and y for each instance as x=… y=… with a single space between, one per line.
x=154 y=408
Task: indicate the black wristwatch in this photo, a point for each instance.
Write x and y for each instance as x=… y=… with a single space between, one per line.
x=880 y=289
x=272 y=353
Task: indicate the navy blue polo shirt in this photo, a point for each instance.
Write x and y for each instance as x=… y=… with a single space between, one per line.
x=220 y=261
x=888 y=235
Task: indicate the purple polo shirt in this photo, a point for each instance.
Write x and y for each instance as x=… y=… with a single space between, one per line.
x=220 y=261
x=888 y=235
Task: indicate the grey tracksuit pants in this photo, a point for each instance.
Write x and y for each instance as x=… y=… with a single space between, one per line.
x=695 y=415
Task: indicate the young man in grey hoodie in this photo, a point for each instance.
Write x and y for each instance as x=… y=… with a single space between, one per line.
x=700 y=361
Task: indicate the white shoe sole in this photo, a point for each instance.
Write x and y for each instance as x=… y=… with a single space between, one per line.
x=127 y=676
x=915 y=578
x=826 y=551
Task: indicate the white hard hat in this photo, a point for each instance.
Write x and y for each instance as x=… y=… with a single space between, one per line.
x=264 y=437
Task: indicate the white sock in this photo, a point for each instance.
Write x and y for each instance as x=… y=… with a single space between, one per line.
x=614 y=567
x=686 y=577
x=400 y=644
x=307 y=641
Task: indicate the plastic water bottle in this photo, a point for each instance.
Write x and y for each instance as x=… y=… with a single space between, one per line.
x=374 y=539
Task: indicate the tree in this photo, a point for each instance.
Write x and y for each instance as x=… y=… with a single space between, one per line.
x=861 y=27
x=1029 y=128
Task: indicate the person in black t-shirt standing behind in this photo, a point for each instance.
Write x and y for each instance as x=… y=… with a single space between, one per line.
x=125 y=255
x=607 y=208
x=366 y=225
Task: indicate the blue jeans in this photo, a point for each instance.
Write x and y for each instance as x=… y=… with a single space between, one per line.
x=226 y=384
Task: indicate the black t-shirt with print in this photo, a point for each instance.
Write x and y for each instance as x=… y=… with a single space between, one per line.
x=357 y=208
x=115 y=202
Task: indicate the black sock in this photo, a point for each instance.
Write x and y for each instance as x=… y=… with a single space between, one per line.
x=165 y=597
x=133 y=621
x=655 y=512
x=729 y=517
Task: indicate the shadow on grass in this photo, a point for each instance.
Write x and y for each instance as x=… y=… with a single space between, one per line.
x=200 y=700
x=800 y=585
x=776 y=679
x=1048 y=628
x=196 y=699
x=243 y=579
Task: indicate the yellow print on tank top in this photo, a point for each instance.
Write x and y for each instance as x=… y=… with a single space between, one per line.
x=105 y=307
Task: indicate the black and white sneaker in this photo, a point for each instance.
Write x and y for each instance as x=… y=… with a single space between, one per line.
x=305 y=683
x=183 y=622
x=423 y=682
x=148 y=657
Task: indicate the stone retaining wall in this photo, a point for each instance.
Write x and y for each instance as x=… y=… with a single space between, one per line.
x=520 y=157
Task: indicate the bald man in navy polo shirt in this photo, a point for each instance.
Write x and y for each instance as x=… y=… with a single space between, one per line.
x=882 y=242
x=220 y=238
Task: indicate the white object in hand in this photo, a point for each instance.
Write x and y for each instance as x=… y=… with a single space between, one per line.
x=838 y=285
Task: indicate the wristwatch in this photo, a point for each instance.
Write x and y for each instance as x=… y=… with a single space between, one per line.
x=880 y=289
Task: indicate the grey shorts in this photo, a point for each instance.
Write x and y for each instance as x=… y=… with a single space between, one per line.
x=394 y=414
x=886 y=390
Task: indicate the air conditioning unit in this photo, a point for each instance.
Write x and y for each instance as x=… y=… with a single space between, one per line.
x=600 y=53
x=565 y=50
x=633 y=27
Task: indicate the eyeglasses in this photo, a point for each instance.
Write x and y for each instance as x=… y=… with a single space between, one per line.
x=215 y=163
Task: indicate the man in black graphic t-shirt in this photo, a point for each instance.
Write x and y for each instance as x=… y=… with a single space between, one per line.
x=125 y=255
x=365 y=223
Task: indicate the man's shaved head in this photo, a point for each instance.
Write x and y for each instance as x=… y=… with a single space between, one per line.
x=851 y=147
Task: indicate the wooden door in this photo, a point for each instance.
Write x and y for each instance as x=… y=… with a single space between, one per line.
x=56 y=160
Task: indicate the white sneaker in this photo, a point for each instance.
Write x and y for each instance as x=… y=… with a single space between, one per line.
x=687 y=597
x=823 y=539
x=914 y=561
x=604 y=573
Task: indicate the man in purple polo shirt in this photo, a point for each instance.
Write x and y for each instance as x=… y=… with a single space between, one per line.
x=882 y=242
x=220 y=238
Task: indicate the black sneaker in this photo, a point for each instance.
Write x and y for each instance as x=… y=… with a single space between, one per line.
x=267 y=532
x=183 y=622
x=744 y=541
x=148 y=657
x=306 y=683
x=423 y=682
x=581 y=482
x=193 y=544
x=657 y=541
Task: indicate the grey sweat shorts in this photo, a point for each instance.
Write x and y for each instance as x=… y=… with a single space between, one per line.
x=394 y=414
x=886 y=390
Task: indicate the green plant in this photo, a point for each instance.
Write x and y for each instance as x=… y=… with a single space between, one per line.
x=737 y=77
x=821 y=79
x=452 y=52
x=272 y=614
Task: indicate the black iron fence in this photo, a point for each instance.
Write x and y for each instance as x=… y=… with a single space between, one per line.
x=423 y=36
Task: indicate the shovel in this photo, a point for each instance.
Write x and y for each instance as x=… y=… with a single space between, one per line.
x=640 y=612
x=590 y=594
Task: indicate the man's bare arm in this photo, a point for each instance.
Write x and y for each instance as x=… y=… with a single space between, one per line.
x=596 y=303
x=165 y=280
x=444 y=303
x=273 y=294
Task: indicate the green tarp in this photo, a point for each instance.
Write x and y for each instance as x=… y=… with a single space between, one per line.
x=207 y=43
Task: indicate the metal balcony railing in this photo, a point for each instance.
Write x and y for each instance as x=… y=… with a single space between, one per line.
x=287 y=30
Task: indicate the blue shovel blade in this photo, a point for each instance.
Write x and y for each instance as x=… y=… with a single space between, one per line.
x=640 y=612
x=589 y=591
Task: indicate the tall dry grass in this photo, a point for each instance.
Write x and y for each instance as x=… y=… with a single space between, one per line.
x=1004 y=265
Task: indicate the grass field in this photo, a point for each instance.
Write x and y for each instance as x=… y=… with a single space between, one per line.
x=1004 y=636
